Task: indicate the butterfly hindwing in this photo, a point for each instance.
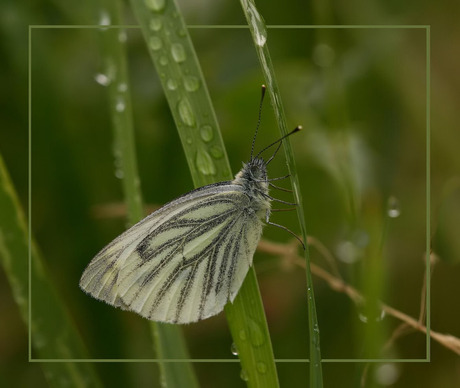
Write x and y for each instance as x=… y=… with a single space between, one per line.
x=182 y=263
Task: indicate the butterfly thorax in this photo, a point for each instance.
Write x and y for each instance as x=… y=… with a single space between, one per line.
x=253 y=178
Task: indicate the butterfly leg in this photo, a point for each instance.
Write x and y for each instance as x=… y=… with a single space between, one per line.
x=279 y=178
x=275 y=199
x=267 y=220
x=283 y=210
x=279 y=188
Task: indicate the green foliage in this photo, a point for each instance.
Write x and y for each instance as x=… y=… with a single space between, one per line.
x=168 y=340
x=52 y=335
x=361 y=95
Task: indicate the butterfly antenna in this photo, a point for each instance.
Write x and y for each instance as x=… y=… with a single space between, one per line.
x=274 y=154
x=296 y=129
x=258 y=122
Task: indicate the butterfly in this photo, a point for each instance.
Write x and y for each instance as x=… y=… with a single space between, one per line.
x=185 y=261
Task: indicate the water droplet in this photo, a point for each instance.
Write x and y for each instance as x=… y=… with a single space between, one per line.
x=243 y=375
x=122 y=87
x=155 y=5
x=242 y=335
x=347 y=252
x=185 y=112
x=172 y=84
x=233 y=349
x=118 y=163
x=156 y=24
x=178 y=52
x=204 y=162
x=387 y=374
x=39 y=340
x=164 y=60
x=323 y=55
x=102 y=79
x=119 y=173
x=120 y=105
x=206 y=133
x=315 y=340
x=216 y=152
x=104 y=18
x=155 y=43
x=376 y=316
x=122 y=36
x=261 y=367
x=394 y=210
x=189 y=140
x=361 y=238
x=257 y=23
x=191 y=83
x=181 y=32
x=260 y=38
x=117 y=154
x=256 y=334
x=110 y=70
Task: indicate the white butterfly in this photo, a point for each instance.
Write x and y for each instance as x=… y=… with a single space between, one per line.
x=186 y=260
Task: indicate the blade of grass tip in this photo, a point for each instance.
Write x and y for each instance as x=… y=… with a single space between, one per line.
x=259 y=35
x=174 y=57
x=52 y=333
x=168 y=340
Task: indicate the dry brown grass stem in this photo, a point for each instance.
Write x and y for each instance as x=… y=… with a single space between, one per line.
x=289 y=253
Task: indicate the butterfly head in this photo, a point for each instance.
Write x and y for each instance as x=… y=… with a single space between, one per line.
x=256 y=170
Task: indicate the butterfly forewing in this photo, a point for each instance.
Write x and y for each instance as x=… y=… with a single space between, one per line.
x=182 y=263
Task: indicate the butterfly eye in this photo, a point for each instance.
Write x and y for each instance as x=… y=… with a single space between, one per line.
x=255 y=172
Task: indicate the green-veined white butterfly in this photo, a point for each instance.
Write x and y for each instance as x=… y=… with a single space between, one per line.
x=186 y=260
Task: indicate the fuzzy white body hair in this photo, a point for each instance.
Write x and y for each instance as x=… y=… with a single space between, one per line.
x=253 y=178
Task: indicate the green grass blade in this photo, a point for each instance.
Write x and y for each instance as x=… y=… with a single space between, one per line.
x=174 y=57
x=169 y=341
x=259 y=35
x=118 y=88
x=52 y=333
x=170 y=345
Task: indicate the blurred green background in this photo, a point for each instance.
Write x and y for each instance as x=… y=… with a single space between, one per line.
x=360 y=95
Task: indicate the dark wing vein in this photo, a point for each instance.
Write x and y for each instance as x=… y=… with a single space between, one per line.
x=197 y=259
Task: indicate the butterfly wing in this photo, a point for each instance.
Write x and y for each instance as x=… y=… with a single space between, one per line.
x=182 y=263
